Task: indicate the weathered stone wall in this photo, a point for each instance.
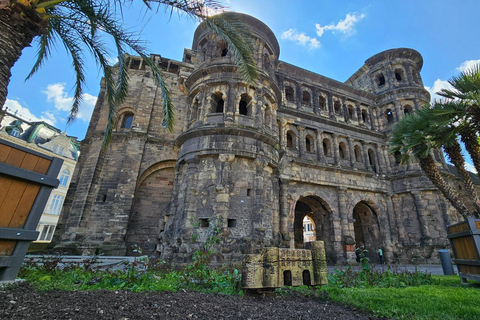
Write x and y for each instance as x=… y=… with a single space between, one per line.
x=246 y=163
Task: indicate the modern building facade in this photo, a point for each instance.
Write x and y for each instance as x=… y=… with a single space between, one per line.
x=248 y=162
x=46 y=139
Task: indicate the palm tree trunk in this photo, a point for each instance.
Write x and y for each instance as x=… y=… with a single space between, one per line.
x=469 y=138
x=428 y=166
x=454 y=152
x=16 y=33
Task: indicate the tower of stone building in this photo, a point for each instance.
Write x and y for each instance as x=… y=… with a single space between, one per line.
x=226 y=169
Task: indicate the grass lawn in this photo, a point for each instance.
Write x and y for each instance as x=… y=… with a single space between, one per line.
x=446 y=298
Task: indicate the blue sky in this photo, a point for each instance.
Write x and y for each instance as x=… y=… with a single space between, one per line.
x=332 y=38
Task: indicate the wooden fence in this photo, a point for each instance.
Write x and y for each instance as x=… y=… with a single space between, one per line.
x=26 y=180
x=465 y=239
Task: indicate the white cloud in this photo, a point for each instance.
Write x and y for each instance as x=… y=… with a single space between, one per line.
x=470 y=167
x=467 y=65
x=345 y=26
x=437 y=86
x=63 y=103
x=301 y=38
x=14 y=106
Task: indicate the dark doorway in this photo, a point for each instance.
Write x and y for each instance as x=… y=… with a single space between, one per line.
x=366 y=228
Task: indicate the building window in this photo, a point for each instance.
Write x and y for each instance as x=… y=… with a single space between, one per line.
x=321 y=103
x=389 y=115
x=381 y=80
x=217 y=102
x=398 y=157
x=407 y=109
x=398 y=74
x=289 y=94
x=15 y=132
x=56 y=205
x=358 y=153
x=57 y=149
x=127 y=120
x=326 y=147
x=351 y=111
x=306 y=98
x=64 y=178
x=244 y=104
x=46 y=233
x=364 y=116
x=232 y=223
x=337 y=107
x=342 y=149
x=204 y=222
x=290 y=139
x=308 y=143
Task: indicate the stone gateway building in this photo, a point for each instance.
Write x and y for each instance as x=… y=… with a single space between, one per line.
x=247 y=163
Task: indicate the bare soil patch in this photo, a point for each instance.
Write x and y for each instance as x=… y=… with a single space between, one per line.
x=24 y=302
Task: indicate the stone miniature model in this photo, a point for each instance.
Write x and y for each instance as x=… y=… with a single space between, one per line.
x=278 y=267
x=251 y=161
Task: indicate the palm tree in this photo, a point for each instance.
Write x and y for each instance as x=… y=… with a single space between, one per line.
x=81 y=25
x=413 y=135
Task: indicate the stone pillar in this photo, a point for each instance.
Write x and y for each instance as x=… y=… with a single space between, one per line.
x=373 y=118
x=380 y=160
x=347 y=238
x=230 y=105
x=365 y=154
x=330 y=105
x=359 y=113
x=315 y=101
x=320 y=152
x=284 y=210
x=336 y=154
x=351 y=152
x=422 y=219
x=299 y=96
x=385 y=155
x=301 y=141
x=396 y=111
x=283 y=134
x=346 y=116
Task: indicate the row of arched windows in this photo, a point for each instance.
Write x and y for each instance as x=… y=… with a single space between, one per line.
x=322 y=104
x=328 y=149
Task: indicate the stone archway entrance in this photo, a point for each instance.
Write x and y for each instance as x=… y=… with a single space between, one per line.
x=367 y=228
x=318 y=212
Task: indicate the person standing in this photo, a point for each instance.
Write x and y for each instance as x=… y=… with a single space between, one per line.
x=380 y=255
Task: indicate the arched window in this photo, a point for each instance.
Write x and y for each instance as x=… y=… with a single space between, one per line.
x=306 y=98
x=389 y=115
x=309 y=143
x=194 y=114
x=351 y=111
x=381 y=80
x=290 y=139
x=321 y=103
x=266 y=61
x=398 y=157
x=364 y=116
x=337 y=107
x=217 y=102
x=326 y=147
x=64 y=178
x=222 y=49
x=371 y=160
x=244 y=104
x=398 y=74
x=407 y=109
x=289 y=94
x=358 y=153
x=342 y=150
x=127 y=120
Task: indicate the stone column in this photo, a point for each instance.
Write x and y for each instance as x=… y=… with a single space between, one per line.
x=320 y=152
x=301 y=141
x=231 y=104
x=373 y=118
x=365 y=154
x=315 y=101
x=408 y=75
x=348 y=240
x=380 y=160
x=351 y=152
x=359 y=112
x=283 y=134
x=346 y=116
x=422 y=219
x=299 y=96
x=336 y=153
x=330 y=105
x=284 y=210
x=388 y=164
x=394 y=221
